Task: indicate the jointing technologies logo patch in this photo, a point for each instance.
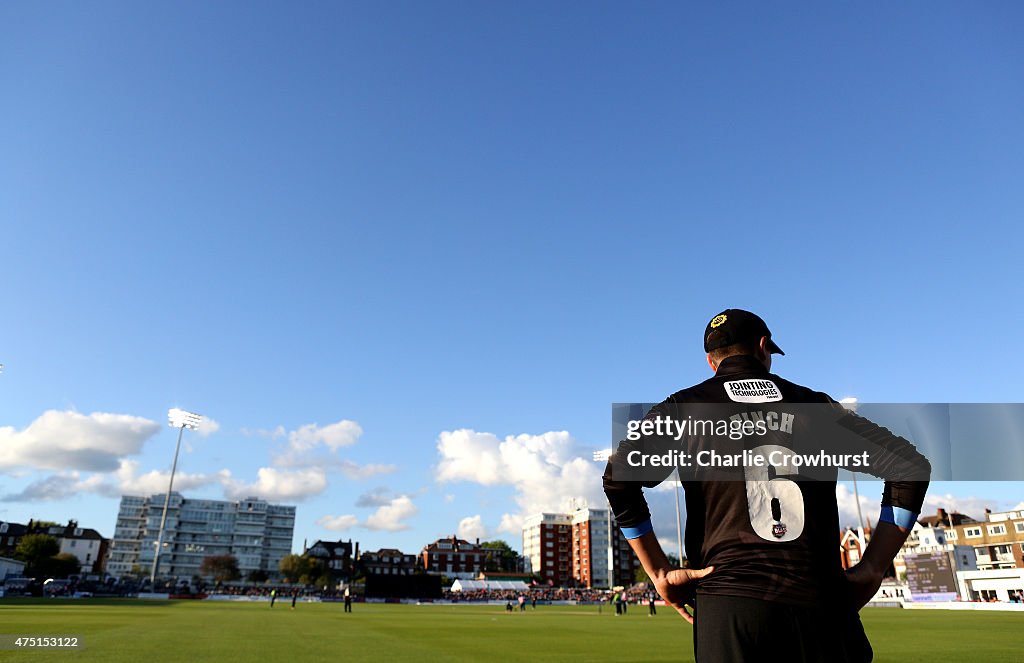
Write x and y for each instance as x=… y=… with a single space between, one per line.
x=753 y=391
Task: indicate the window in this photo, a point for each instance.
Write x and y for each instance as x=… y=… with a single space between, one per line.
x=1018 y=526
x=996 y=530
x=972 y=532
x=951 y=535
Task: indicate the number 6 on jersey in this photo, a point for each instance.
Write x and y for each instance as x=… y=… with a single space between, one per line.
x=776 y=506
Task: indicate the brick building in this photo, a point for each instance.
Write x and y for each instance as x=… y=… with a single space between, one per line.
x=594 y=534
x=86 y=545
x=578 y=549
x=337 y=556
x=453 y=556
x=998 y=541
x=388 y=561
x=851 y=546
x=547 y=546
x=10 y=536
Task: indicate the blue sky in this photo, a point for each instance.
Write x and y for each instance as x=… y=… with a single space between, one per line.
x=458 y=225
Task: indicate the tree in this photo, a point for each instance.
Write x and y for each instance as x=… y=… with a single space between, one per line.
x=223 y=568
x=34 y=550
x=295 y=568
x=641 y=575
x=41 y=525
x=259 y=575
x=60 y=566
x=499 y=556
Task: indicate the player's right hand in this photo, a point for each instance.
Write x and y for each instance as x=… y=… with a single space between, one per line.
x=676 y=587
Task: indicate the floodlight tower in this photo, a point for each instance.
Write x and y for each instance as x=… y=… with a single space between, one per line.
x=850 y=403
x=180 y=419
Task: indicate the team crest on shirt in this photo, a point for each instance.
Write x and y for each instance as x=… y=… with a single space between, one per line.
x=778 y=530
x=753 y=391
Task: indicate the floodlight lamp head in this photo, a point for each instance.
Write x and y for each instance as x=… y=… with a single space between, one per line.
x=178 y=418
x=850 y=403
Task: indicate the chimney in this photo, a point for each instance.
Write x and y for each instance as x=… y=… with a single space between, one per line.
x=478 y=542
x=942 y=514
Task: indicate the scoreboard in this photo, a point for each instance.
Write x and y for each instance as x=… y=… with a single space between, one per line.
x=931 y=576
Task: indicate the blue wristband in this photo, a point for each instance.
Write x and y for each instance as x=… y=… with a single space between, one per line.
x=897 y=516
x=638 y=531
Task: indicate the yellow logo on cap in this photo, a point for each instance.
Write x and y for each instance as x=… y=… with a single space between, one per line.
x=718 y=321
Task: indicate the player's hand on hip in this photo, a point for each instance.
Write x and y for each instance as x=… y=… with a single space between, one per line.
x=676 y=587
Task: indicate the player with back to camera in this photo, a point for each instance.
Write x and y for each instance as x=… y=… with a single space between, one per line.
x=766 y=582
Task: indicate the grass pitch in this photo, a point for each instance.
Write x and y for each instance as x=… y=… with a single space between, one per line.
x=187 y=631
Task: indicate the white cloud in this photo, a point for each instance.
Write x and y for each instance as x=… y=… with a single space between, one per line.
x=338 y=523
x=1019 y=507
x=392 y=516
x=274 y=434
x=669 y=544
x=374 y=498
x=343 y=433
x=511 y=523
x=68 y=440
x=55 y=487
x=274 y=484
x=207 y=427
x=848 y=507
x=124 y=481
x=971 y=506
x=472 y=527
x=311 y=445
x=155 y=482
x=545 y=470
x=354 y=470
x=870 y=504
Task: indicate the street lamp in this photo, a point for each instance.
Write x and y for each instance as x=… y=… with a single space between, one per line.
x=180 y=419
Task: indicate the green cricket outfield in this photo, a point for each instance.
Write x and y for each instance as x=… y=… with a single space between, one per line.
x=191 y=631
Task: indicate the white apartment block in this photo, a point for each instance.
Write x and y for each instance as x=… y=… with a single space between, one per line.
x=258 y=534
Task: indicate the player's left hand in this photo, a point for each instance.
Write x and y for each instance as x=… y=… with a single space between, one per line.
x=673 y=588
x=864 y=583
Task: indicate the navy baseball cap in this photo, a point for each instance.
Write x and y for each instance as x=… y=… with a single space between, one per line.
x=734 y=325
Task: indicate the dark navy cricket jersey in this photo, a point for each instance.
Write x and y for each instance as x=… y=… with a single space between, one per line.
x=769 y=536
